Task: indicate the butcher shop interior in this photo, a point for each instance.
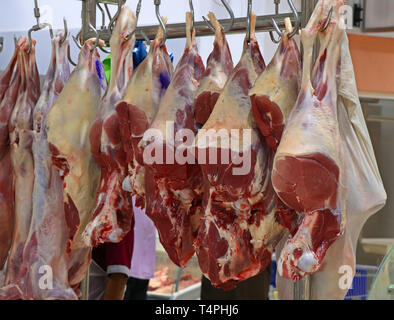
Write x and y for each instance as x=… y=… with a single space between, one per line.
x=197 y=150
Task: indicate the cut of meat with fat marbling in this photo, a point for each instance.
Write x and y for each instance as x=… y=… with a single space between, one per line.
x=138 y=108
x=68 y=124
x=174 y=201
x=219 y=67
x=276 y=90
x=113 y=211
x=241 y=224
x=308 y=172
x=20 y=126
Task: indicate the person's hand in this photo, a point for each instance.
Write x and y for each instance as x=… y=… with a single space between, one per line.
x=116 y=285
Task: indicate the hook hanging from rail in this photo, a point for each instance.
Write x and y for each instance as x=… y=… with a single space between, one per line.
x=163 y=26
x=278 y=31
x=192 y=12
x=327 y=20
x=38 y=26
x=137 y=13
x=111 y=23
x=230 y=12
x=248 y=31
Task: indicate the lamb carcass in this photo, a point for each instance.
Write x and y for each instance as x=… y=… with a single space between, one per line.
x=365 y=193
x=7 y=74
x=45 y=252
x=113 y=211
x=138 y=108
x=308 y=173
x=8 y=101
x=241 y=225
x=276 y=90
x=174 y=199
x=68 y=124
x=219 y=67
x=20 y=126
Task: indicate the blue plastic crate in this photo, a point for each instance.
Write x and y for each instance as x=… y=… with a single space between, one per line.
x=361 y=282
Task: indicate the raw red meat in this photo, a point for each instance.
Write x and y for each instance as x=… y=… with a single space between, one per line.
x=174 y=198
x=6 y=76
x=219 y=67
x=20 y=126
x=138 y=108
x=113 y=211
x=46 y=244
x=307 y=173
x=241 y=225
x=8 y=101
x=276 y=90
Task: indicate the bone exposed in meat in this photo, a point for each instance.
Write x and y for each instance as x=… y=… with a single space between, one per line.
x=240 y=227
x=307 y=172
x=20 y=126
x=138 y=108
x=219 y=67
x=113 y=211
x=174 y=204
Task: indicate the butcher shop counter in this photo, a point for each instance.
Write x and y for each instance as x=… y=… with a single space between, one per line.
x=174 y=283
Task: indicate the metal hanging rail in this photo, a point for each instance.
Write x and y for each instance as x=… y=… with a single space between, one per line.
x=178 y=30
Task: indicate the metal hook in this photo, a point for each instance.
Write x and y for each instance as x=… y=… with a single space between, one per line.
x=77 y=42
x=137 y=13
x=103 y=27
x=248 y=32
x=111 y=23
x=97 y=36
x=230 y=12
x=65 y=31
x=327 y=20
x=69 y=57
x=192 y=12
x=278 y=31
x=38 y=26
x=157 y=5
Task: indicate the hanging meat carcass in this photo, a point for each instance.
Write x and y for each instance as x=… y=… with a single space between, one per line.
x=20 y=126
x=241 y=225
x=8 y=101
x=276 y=90
x=7 y=74
x=45 y=252
x=174 y=204
x=139 y=107
x=365 y=190
x=68 y=124
x=113 y=211
x=308 y=173
x=219 y=67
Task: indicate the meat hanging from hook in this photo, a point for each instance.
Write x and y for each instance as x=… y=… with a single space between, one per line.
x=38 y=26
x=276 y=27
x=230 y=12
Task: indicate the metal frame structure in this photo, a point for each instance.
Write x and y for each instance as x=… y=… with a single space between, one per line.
x=177 y=30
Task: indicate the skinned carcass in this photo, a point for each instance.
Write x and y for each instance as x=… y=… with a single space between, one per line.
x=45 y=252
x=276 y=90
x=309 y=173
x=219 y=67
x=7 y=74
x=8 y=101
x=174 y=197
x=241 y=224
x=113 y=211
x=365 y=191
x=68 y=124
x=138 y=108
x=20 y=126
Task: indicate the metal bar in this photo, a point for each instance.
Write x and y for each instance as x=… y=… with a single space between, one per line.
x=380 y=119
x=85 y=286
x=88 y=16
x=178 y=30
x=302 y=289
